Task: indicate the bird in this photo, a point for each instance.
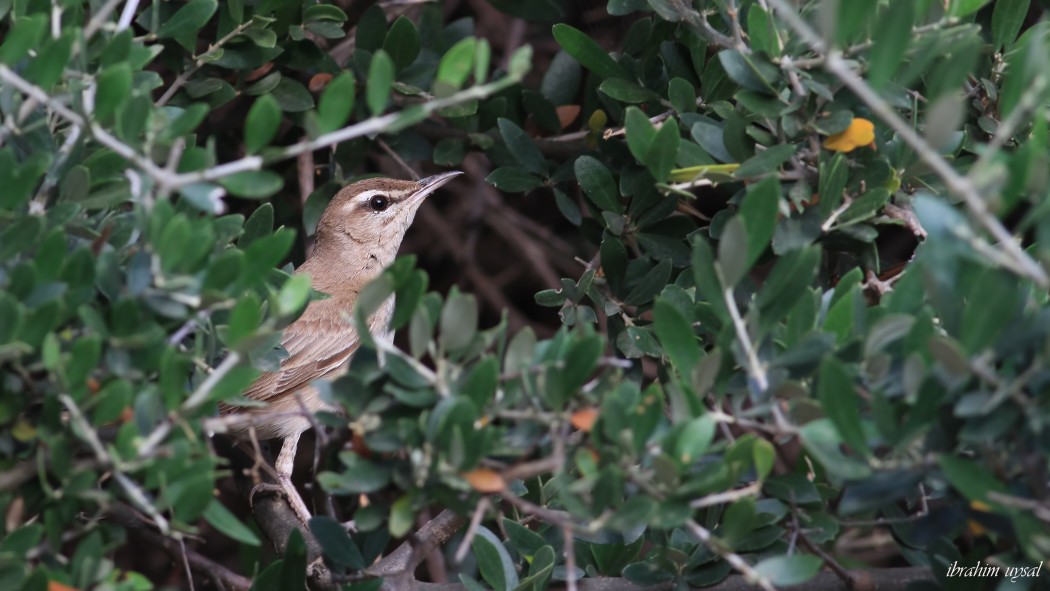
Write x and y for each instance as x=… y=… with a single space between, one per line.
x=358 y=235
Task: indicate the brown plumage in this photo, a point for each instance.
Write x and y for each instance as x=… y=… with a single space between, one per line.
x=357 y=237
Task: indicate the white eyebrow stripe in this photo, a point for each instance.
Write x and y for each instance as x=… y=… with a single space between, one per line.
x=365 y=196
x=362 y=199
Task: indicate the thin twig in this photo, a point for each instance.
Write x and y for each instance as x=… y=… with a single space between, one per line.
x=734 y=26
x=728 y=496
x=101 y=135
x=371 y=126
x=199 y=61
x=199 y=396
x=754 y=368
x=472 y=529
x=569 y=550
x=127 y=15
x=99 y=19
x=728 y=555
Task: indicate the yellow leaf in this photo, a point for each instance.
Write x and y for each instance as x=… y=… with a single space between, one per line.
x=860 y=132
x=713 y=172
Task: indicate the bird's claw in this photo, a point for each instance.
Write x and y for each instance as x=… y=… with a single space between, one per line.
x=285 y=488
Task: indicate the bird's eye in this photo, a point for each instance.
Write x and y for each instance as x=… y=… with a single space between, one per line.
x=378 y=202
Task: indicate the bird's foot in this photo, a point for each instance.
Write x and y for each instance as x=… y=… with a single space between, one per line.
x=285 y=488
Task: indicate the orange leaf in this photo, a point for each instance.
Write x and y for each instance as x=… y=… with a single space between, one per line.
x=485 y=480
x=56 y=586
x=357 y=443
x=567 y=114
x=860 y=132
x=259 y=72
x=319 y=81
x=584 y=419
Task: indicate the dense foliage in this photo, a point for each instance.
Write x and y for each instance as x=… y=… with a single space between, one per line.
x=806 y=333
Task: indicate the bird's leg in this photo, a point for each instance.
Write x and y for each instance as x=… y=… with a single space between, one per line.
x=284 y=465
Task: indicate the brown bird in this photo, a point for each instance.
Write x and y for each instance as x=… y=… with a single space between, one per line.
x=357 y=237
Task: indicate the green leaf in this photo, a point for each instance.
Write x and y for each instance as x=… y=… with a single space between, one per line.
x=789 y=570
x=259 y=224
x=244 y=319
x=380 y=81
x=676 y=336
x=51 y=62
x=973 y=480
x=626 y=91
x=294 y=294
x=745 y=71
x=520 y=63
x=765 y=162
x=481 y=385
x=982 y=325
x=891 y=38
x=188 y=19
x=409 y=295
x=525 y=541
x=253 y=184
x=293 y=571
x=324 y=12
x=1007 y=18
x=336 y=103
x=834 y=173
x=292 y=96
x=822 y=440
x=459 y=321
x=759 y=212
x=265 y=85
x=114 y=88
x=261 y=124
x=650 y=284
x=787 y=284
x=371 y=30
x=853 y=16
x=733 y=252
x=662 y=152
x=336 y=544
x=584 y=49
x=561 y=81
x=402 y=43
x=597 y=183
x=360 y=476
x=456 y=65
x=640 y=133
x=521 y=146
x=513 y=180
x=494 y=562
x=402 y=517
x=841 y=403
x=227 y=523
x=22 y=35
x=961 y=8
x=760 y=28
x=704 y=275
x=694 y=439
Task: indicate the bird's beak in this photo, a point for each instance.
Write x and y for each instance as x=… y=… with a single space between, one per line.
x=433 y=183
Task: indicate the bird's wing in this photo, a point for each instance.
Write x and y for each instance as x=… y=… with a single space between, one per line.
x=318 y=343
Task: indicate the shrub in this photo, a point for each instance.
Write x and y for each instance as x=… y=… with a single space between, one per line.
x=810 y=306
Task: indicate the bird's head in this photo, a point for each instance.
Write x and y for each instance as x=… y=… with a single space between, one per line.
x=375 y=213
